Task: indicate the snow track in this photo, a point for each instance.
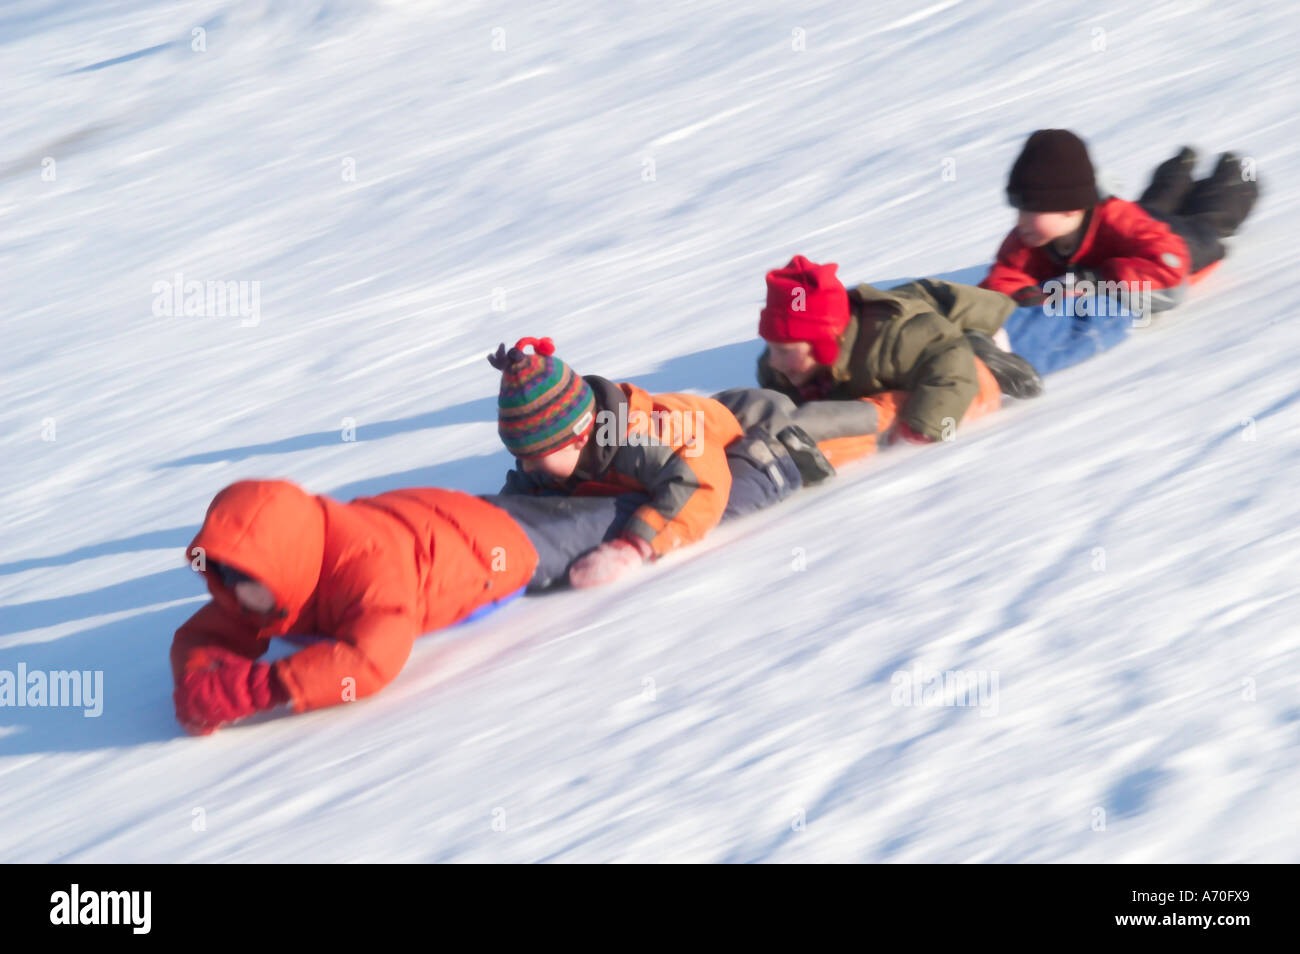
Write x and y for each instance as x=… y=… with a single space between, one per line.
x=1121 y=553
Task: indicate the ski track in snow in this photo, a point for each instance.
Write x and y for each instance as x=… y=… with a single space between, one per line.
x=1120 y=552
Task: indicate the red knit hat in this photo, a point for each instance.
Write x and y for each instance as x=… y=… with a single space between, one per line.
x=806 y=302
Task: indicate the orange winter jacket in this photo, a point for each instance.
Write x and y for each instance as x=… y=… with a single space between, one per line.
x=671 y=447
x=372 y=575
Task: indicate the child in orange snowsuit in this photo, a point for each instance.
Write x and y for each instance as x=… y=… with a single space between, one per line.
x=587 y=435
x=357 y=582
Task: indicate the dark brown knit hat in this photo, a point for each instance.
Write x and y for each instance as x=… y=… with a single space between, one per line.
x=1053 y=174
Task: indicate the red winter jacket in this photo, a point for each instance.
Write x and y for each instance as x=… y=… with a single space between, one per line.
x=1121 y=242
x=372 y=574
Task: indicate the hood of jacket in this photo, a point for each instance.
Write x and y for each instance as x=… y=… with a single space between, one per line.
x=274 y=531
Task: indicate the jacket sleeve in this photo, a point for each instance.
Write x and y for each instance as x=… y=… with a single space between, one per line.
x=688 y=495
x=1149 y=252
x=968 y=307
x=931 y=359
x=519 y=481
x=212 y=628
x=365 y=654
x=1010 y=272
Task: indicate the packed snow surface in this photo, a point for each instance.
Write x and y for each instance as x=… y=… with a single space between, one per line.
x=409 y=184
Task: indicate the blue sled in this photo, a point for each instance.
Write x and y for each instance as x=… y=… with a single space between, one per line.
x=1053 y=342
x=489 y=607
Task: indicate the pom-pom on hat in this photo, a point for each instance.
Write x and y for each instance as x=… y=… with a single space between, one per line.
x=543 y=406
x=806 y=302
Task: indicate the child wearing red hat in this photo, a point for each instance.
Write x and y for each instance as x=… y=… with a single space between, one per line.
x=696 y=459
x=927 y=339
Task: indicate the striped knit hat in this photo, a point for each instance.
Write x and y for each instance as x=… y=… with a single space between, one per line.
x=543 y=405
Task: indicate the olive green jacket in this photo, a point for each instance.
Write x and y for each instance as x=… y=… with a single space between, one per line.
x=909 y=338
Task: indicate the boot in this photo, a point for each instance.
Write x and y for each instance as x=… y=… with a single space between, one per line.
x=1224 y=199
x=1170 y=183
x=1015 y=376
x=762 y=473
x=812 y=463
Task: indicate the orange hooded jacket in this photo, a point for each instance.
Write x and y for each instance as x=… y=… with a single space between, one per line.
x=372 y=574
x=672 y=447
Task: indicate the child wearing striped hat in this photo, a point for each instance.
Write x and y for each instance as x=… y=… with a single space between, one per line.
x=587 y=435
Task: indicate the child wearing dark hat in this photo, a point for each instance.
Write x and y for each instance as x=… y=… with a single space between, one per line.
x=1147 y=248
x=696 y=459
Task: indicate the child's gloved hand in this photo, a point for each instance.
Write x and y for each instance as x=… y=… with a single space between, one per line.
x=904 y=433
x=608 y=562
x=1029 y=295
x=230 y=688
x=1081 y=275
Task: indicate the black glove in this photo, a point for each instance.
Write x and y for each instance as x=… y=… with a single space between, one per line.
x=1029 y=295
x=1082 y=274
x=1118 y=300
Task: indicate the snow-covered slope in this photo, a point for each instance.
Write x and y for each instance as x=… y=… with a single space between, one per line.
x=410 y=184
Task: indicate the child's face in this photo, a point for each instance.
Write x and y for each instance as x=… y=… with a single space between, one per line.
x=1038 y=228
x=254 y=596
x=557 y=465
x=794 y=360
